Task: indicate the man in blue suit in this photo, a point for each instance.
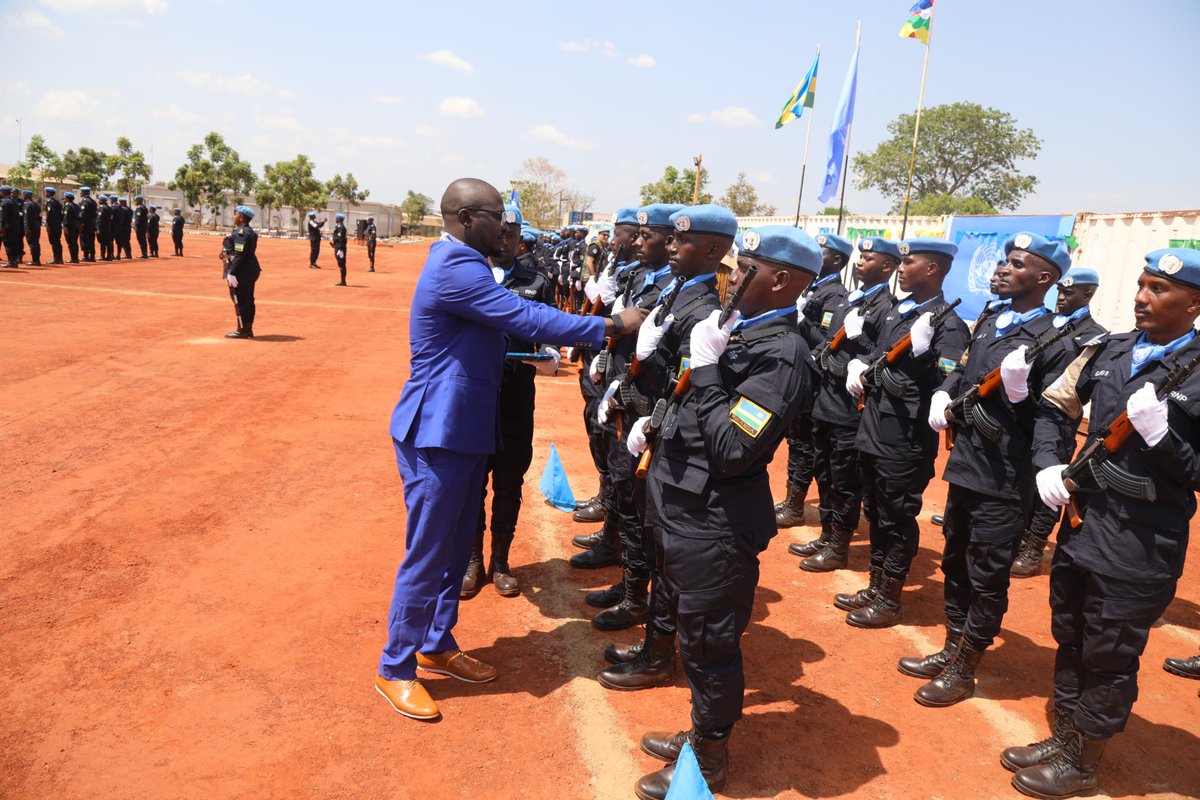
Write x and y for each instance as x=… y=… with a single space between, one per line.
x=447 y=423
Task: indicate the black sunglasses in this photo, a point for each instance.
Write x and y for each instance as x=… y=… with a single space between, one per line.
x=505 y=215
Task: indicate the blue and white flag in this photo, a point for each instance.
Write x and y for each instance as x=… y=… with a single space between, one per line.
x=840 y=132
x=514 y=199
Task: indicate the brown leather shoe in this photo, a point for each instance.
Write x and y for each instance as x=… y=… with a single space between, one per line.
x=457 y=664
x=408 y=697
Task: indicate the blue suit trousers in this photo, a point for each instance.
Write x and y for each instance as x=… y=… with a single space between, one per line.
x=441 y=495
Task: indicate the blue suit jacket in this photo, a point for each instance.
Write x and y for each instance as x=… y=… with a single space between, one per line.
x=457 y=329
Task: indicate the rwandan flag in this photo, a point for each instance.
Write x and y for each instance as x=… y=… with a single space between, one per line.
x=802 y=98
x=917 y=26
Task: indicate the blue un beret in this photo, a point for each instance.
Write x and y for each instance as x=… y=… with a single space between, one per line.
x=657 y=215
x=1081 y=276
x=835 y=243
x=69 y=194
x=339 y=216
x=50 y=190
x=877 y=244
x=27 y=192
x=312 y=213
x=516 y=210
x=370 y=218
x=137 y=197
x=626 y=216
x=245 y=211
x=177 y=209
x=782 y=244
x=85 y=188
x=1179 y=264
x=123 y=200
x=928 y=244
x=528 y=235
x=708 y=218
x=1043 y=247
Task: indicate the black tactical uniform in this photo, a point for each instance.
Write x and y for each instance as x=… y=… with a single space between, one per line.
x=123 y=227
x=105 y=225
x=314 y=241
x=177 y=233
x=72 y=227
x=372 y=236
x=54 y=227
x=243 y=264
x=338 y=242
x=152 y=223
x=32 y=220
x=10 y=224
x=141 y=222
x=88 y=214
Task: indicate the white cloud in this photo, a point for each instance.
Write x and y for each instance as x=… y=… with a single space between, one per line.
x=576 y=47
x=245 y=84
x=461 y=107
x=176 y=115
x=285 y=94
x=388 y=99
x=764 y=177
x=449 y=60
x=609 y=50
x=66 y=106
x=645 y=61
x=33 y=19
x=731 y=117
x=14 y=89
x=551 y=134
x=428 y=131
x=148 y=7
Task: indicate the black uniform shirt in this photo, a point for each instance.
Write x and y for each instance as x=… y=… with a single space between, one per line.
x=141 y=215
x=339 y=236
x=708 y=478
x=104 y=217
x=1125 y=537
x=692 y=304
x=833 y=404
x=895 y=420
x=823 y=295
x=371 y=234
x=33 y=214
x=54 y=213
x=526 y=281
x=123 y=220
x=88 y=210
x=314 y=229
x=641 y=295
x=71 y=216
x=243 y=247
x=152 y=222
x=177 y=225
x=10 y=214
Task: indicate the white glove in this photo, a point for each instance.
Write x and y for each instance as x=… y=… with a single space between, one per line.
x=549 y=367
x=1148 y=414
x=801 y=302
x=922 y=334
x=590 y=290
x=853 y=324
x=1051 y=488
x=578 y=286
x=649 y=335
x=608 y=286
x=937 y=410
x=1015 y=374
x=562 y=281
x=341 y=254
x=618 y=304
x=231 y=279
x=636 y=440
x=854 y=373
x=594 y=370
x=709 y=339
x=605 y=401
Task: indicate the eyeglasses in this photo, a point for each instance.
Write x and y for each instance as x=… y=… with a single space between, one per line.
x=509 y=217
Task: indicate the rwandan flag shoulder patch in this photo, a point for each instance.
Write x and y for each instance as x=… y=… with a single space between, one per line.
x=685 y=363
x=946 y=365
x=826 y=318
x=749 y=416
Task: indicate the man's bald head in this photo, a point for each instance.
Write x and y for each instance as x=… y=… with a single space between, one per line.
x=469 y=193
x=472 y=212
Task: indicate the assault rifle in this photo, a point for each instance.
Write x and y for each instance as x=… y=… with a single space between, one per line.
x=876 y=374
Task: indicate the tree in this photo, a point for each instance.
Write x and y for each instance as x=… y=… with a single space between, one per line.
x=292 y=184
x=212 y=173
x=346 y=189
x=832 y=211
x=415 y=207
x=130 y=165
x=965 y=150
x=90 y=167
x=267 y=197
x=40 y=157
x=676 y=186
x=939 y=205
x=543 y=192
x=20 y=175
x=742 y=199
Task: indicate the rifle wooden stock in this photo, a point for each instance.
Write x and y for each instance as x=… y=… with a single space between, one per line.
x=681 y=388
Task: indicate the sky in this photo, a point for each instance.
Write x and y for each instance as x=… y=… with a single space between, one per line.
x=411 y=96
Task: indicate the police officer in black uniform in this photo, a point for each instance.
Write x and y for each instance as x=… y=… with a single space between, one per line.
x=517 y=271
x=105 y=226
x=32 y=218
x=1075 y=291
x=989 y=469
x=896 y=447
x=372 y=236
x=835 y=415
x=177 y=230
x=1113 y=576
x=54 y=224
x=314 y=239
x=710 y=495
x=71 y=225
x=152 y=225
x=10 y=226
x=242 y=271
x=88 y=214
x=141 y=223
x=338 y=242
x=123 y=228
x=816 y=306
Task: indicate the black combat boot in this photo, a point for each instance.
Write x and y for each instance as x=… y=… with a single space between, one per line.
x=957 y=681
x=849 y=602
x=813 y=546
x=664 y=746
x=1031 y=755
x=711 y=754
x=1183 y=667
x=885 y=608
x=790 y=512
x=653 y=665
x=475 y=578
x=586 y=541
x=240 y=333
x=606 y=598
x=505 y=582
x=617 y=654
x=931 y=666
x=592 y=509
x=605 y=553
x=1029 y=558
x=834 y=555
x=633 y=607
x=1072 y=772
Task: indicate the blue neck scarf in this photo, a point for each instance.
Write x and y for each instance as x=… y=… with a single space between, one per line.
x=1144 y=352
x=908 y=305
x=826 y=279
x=623 y=268
x=858 y=295
x=653 y=277
x=1062 y=319
x=766 y=316
x=1008 y=320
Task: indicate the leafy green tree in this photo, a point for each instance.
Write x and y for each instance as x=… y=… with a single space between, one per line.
x=832 y=211
x=293 y=185
x=213 y=175
x=676 y=186
x=544 y=193
x=965 y=150
x=20 y=175
x=39 y=156
x=939 y=205
x=267 y=198
x=129 y=167
x=346 y=189
x=415 y=207
x=90 y=167
x=742 y=199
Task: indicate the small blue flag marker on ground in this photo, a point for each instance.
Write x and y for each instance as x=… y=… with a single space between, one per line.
x=555 y=485
x=688 y=783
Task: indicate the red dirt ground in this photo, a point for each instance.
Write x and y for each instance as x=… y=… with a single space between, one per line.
x=201 y=537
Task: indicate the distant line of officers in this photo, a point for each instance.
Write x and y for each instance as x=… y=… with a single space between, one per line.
x=108 y=220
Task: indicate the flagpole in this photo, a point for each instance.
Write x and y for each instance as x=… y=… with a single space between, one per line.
x=912 y=162
x=804 y=164
x=846 y=162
